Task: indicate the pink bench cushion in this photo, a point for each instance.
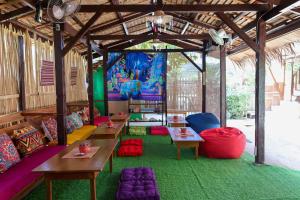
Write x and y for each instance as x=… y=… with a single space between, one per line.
x=159 y=130
x=19 y=176
x=100 y=119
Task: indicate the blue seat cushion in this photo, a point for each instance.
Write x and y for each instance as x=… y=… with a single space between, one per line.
x=202 y=121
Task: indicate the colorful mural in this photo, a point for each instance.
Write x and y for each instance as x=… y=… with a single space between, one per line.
x=137 y=75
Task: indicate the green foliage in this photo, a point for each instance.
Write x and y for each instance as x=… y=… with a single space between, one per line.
x=237 y=104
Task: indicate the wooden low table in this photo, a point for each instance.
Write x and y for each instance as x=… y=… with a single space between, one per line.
x=121 y=118
x=78 y=168
x=185 y=142
x=103 y=132
x=180 y=122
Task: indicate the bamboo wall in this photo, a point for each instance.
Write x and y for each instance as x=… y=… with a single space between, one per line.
x=35 y=51
x=9 y=70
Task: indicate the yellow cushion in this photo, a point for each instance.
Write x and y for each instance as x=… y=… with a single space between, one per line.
x=81 y=133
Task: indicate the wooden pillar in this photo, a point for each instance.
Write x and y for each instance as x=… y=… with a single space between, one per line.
x=223 y=85
x=105 y=60
x=260 y=72
x=60 y=82
x=91 y=80
x=22 y=92
x=204 y=53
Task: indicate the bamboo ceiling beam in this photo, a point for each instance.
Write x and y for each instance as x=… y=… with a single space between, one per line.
x=128 y=44
x=16 y=13
x=192 y=21
x=176 y=8
x=81 y=33
x=238 y=31
x=181 y=44
x=103 y=27
x=149 y=37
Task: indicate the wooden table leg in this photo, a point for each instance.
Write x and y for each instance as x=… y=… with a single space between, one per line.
x=196 y=151
x=49 y=188
x=110 y=163
x=93 y=188
x=178 y=152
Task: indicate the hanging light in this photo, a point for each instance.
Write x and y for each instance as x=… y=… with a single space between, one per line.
x=160 y=19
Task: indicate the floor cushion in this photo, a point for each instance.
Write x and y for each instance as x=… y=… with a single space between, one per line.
x=223 y=143
x=9 y=155
x=202 y=121
x=133 y=142
x=138 y=190
x=159 y=130
x=130 y=151
x=80 y=134
x=20 y=175
x=137 y=130
x=49 y=127
x=100 y=120
x=139 y=173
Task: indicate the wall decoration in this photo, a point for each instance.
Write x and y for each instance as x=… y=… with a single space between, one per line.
x=137 y=75
x=73 y=75
x=47 y=73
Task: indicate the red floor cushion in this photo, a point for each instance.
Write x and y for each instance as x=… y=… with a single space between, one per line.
x=132 y=142
x=224 y=142
x=100 y=119
x=130 y=150
x=20 y=175
x=159 y=130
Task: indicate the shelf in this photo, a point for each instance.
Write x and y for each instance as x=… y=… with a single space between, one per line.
x=146 y=121
x=146 y=112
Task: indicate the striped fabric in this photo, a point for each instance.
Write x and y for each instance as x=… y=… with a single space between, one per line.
x=47 y=73
x=73 y=75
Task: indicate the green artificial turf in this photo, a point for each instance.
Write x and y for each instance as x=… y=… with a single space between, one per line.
x=188 y=179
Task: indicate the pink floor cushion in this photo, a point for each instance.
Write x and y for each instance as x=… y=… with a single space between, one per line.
x=132 y=142
x=100 y=119
x=19 y=176
x=159 y=130
x=223 y=143
x=130 y=151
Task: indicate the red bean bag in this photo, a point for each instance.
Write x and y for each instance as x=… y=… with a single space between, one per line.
x=130 y=151
x=159 y=130
x=100 y=120
x=132 y=142
x=223 y=143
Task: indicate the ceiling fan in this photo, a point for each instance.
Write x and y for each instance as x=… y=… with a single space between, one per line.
x=220 y=36
x=58 y=10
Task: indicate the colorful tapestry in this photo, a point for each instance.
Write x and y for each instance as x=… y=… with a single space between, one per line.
x=47 y=73
x=73 y=75
x=137 y=75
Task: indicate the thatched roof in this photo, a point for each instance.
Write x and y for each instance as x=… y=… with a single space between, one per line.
x=198 y=23
x=275 y=48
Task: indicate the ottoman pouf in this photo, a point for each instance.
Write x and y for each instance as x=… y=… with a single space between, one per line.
x=138 y=190
x=132 y=142
x=130 y=150
x=202 y=121
x=137 y=130
x=223 y=142
x=159 y=130
x=141 y=173
x=100 y=120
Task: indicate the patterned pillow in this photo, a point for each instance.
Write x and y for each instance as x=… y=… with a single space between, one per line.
x=70 y=127
x=9 y=155
x=76 y=120
x=19 y=132
x=29 y=141
x=50 y=129
x=84 y=117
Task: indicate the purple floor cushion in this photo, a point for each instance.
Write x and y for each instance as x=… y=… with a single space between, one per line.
x=138 y=190
x=142 y=173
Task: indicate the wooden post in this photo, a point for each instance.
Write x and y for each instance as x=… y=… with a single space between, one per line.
x=204 y=53
x=260 y=72
x=223 y=85
x=60 y=82
x=105 y=60
x=22 y=92
x=91 y=80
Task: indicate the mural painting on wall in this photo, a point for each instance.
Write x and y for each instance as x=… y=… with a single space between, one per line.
x=136 y=75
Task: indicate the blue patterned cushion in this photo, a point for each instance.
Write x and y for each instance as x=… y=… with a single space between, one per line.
x=77 y=120
x=9 y=155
